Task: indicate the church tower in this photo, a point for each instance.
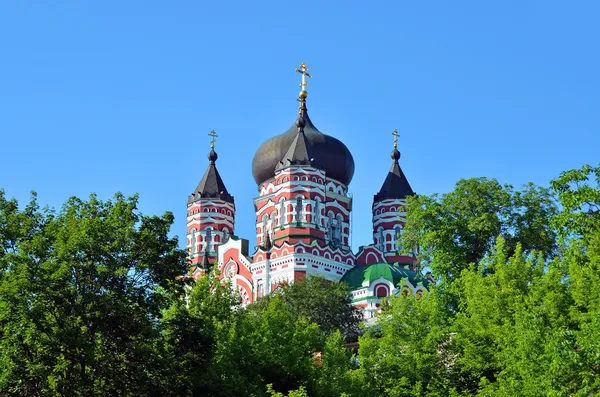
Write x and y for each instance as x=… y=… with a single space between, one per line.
x=302 y=219
x=388 y=208
x=303 y=207
x=210 y=217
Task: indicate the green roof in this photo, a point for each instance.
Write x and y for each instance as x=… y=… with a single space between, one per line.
x=394 y=273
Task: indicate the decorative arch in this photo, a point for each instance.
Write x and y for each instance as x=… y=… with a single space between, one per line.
x=230 y=269
x=381 y=290
x=371 y=258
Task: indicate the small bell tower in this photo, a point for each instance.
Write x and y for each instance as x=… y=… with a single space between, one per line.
x=210 y=217
x=389 y=206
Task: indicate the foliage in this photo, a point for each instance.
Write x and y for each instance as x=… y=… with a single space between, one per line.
x=92 y=303
x=459 y=228
x=81 y=292
x=580 y=201
x=327 y=304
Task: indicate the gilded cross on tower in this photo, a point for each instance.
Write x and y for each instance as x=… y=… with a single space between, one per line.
x=303 y=69
x=396 y=135
x=213 y=135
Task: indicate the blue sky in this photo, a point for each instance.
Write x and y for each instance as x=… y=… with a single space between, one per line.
x=120 y=95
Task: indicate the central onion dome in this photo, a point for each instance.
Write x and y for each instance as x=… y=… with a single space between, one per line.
x=330 y=154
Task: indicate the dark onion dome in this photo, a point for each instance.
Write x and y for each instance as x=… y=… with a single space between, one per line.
x=395 y=273
x=396 y=185
x=211 y=185
x=300 y=151
x=328 y=153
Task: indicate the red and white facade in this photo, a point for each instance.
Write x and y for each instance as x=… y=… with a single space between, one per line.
x=302 y=218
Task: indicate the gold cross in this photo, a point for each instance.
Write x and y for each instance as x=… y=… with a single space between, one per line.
x=303 y=69
x=213 y=135
x=396 y=135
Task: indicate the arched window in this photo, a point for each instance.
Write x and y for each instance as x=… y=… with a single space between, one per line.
x=225 y=235
x=317 y=211
x=281 y=212
x=299 y=209
x=330 y=225
x=339 y=228
x=397 y=230
x=272 y=222
x=381 y=291
x=265 y=218
x=208 y=240
x=193 y=241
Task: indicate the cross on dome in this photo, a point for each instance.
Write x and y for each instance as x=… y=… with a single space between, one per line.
x=213 y=135
x=396 y=135
x=303 y=69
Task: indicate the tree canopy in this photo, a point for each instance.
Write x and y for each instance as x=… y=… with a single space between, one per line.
x=92 y=303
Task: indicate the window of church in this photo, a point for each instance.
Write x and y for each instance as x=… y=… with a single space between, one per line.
x=397 y=236
x=281 y=212
x=193 y=241
x=272 y=223
x=264 y=229
x=260 y=288
x=225 y=235
x=299 y=209
x=381 y=291
x=208 y=240
x=338 y=229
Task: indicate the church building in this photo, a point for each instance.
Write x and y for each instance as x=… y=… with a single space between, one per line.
x=302 y=214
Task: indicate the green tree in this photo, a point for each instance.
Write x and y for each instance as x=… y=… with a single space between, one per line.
x=194 y=330
x=580 y=202
x=459 y=228
x=403 y=355
x=218 y=348
x=325 y=303
x=81 y=295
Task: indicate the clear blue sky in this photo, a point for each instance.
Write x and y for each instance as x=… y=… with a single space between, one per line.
x=111 y=96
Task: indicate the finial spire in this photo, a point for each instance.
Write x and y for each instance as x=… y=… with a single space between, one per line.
x=213 y=135
x=303 y=69
x=396 y=135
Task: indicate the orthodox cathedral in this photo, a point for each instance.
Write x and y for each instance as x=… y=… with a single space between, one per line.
x=303 y=220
